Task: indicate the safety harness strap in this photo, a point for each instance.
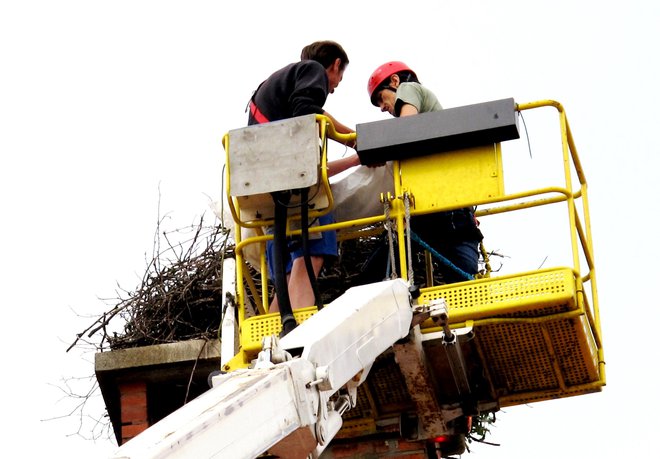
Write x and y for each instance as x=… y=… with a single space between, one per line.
x=256 y=113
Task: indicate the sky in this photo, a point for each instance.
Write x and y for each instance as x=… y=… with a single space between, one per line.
x=112 y=115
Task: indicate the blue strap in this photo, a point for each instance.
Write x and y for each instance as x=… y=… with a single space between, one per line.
x=441 y=258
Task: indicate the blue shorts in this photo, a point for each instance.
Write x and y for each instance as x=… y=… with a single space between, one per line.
x=324 y=246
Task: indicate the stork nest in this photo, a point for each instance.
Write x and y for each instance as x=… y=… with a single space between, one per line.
x=180 y=294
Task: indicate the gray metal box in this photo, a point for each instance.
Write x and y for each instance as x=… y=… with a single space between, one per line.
x=435 y=132
x=276 y=156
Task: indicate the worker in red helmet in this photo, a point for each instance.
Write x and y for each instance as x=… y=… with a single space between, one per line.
x=394 y=88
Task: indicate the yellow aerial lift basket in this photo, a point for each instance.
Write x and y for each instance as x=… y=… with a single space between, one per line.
x=524 y=337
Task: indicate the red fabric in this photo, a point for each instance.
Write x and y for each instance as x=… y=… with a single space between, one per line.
x=256 y=114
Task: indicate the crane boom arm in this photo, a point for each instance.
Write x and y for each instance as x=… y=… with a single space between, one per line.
x=286 y=407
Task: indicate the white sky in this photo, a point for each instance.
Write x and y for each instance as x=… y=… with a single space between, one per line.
x=104 y=103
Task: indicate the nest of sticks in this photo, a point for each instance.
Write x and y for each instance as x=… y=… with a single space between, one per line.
x=180 y=295
x=178 y=298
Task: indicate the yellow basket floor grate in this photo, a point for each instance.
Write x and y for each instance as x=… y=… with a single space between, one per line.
x=387 y=386
x=357 y=427
x=383 y=395
x=541 y=396
x=538 y=357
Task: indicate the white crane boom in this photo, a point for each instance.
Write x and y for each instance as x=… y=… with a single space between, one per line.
x=284 y=405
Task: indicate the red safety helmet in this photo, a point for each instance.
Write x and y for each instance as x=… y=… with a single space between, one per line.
x=383 y=73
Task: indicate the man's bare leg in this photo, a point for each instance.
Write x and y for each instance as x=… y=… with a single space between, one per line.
x=274 y=305
x=300 y=289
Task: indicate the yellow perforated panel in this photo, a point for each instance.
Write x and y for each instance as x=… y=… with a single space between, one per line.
x=255 y=328
x=522 y=295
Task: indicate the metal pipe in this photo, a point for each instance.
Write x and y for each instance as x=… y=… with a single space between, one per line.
x=454 y=356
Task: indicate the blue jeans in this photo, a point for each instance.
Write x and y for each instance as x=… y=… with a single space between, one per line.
x=464 y=255
x=455 y=235
x=324 y=246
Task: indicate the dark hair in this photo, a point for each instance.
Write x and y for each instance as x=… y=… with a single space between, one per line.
x=325 y=52
x=405 y=76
